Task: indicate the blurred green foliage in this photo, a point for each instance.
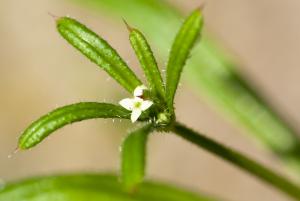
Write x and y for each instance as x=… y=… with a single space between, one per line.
x=83 y=187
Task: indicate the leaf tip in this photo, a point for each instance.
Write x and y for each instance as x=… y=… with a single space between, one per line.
x=55 y=17
x=16 y=150
x=20 y=147
x=201 y=7
x=129 y=28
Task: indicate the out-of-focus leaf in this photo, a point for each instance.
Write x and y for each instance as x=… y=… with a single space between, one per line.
x=133 y=158
x=98 y=51
x=60 y=117
x=91 y=188
x=213 y=74
x=148 y=63
x=181 y=48
x=223 y=86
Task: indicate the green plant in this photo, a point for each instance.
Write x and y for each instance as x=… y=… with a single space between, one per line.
x=153 y=107
x=213 y=75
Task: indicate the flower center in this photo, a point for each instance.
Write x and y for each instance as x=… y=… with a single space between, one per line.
x=137 y=104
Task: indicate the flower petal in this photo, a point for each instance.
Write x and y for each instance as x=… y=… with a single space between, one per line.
x=139 y=90
x=137 y=100
x=146 y=104
x=127 y=103
x=135 y=115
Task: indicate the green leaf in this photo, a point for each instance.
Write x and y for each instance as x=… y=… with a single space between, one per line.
x=180 y=51
x=133 y=156
x=92 y=187
x=60 y=117
x=148 y=63
x=98 y=51
x=213 y=75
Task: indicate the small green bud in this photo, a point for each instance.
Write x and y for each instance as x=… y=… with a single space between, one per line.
x=163 y=119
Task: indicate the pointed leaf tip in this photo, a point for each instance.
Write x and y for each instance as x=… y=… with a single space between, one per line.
x=55 y=17
x=201 y=7
x=129 y=28
x=180 y=51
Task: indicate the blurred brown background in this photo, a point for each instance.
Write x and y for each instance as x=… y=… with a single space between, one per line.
x=39 y=71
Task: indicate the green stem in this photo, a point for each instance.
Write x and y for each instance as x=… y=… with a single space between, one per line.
x=238 y=159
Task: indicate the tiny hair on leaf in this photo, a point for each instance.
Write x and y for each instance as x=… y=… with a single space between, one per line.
x=98 y=51
x=147 y=60
x=133 y=158
x=180 y=51
x=62 y=116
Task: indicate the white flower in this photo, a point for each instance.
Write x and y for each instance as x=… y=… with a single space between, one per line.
x=136 y=104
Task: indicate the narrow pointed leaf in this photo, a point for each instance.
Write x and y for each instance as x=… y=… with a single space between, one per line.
x=91 y=187
x=98 y=51
x=180 y=51
x=133 y=158
x=60 y=117
x=148 y=62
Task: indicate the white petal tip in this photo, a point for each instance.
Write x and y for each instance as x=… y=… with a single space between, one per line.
x=127 y=103
x=139 y=90
x=146 y=104
x=135 y=115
